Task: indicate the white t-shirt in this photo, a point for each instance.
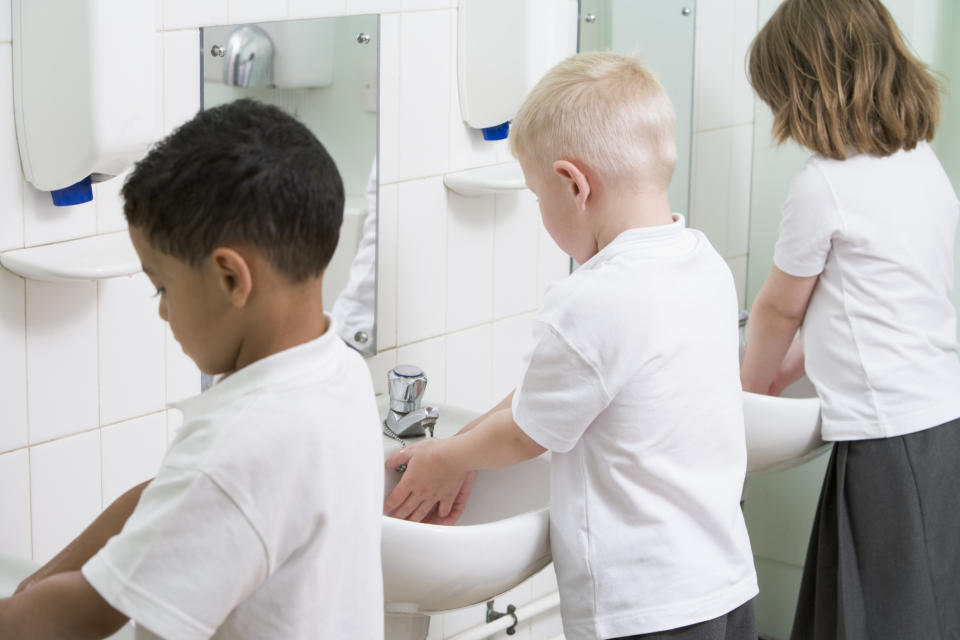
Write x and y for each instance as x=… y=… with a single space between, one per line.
x=879 y=335
x=633 y=384
x=264 y=518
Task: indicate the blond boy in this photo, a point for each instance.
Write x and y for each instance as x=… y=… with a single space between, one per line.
x=632 y=384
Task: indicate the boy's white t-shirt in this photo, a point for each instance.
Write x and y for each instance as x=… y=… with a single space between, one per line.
x=264 y=518
x=879 y=335
x=633 y=384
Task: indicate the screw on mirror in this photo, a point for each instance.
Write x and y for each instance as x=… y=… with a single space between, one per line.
x=363 y=38
x=217 y=51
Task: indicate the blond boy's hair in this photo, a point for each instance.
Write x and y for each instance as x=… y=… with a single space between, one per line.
x=841 y=81
x=602 y=109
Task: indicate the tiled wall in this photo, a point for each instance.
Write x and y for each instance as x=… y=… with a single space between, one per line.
x=87 y=369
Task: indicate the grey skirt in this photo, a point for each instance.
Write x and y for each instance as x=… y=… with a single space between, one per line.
x=884 y=556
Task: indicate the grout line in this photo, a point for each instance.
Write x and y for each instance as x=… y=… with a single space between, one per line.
x=30 y=498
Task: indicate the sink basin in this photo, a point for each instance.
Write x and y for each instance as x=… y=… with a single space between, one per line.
x=13 y=570
x=782 y=432
x=500 y=541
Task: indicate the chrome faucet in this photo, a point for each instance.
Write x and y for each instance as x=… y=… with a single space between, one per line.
x=406 y=418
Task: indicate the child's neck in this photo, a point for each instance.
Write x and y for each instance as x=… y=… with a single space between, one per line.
x=620 y=211
x=282 y=320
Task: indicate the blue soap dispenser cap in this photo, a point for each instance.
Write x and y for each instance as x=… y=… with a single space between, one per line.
x=498 y=132
x=74 y=194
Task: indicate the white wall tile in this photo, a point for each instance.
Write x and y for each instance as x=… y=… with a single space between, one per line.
x=512 y=342
x=741 y=173
x=316 y=8
x=5 y=14
x=181 y=77
x=242 y=11
x=61 y=358
x=425 y=92
x=106 y=196
x=13 y=365
x=429 y=355
x=710 y=193
x=470 y=230
x=745 y=28
x=713 y=66
x=43 y=222
x=132 y=351
x=180 y=14
x=515 y=261
x=11 y=180
x=389 y=110
x=379 y=365
x=470 y=369
x=372 y=6
x=183 y=376
x=131 y=453
x=422 y=266
x=387 y=268
x=65 y=491
x=15 y=504
x=553 y=264
x=738 y=266
x=419 y=5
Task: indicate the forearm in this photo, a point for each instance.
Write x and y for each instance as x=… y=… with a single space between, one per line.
x=495 y=442
x=769 y=337
x=59 y=607
x=87 y=544
x=503 y=404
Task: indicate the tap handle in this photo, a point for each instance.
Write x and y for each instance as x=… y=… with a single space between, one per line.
x=407 y=384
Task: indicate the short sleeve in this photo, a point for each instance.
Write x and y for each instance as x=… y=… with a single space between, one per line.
x=809 y=220
x=185 y=558
x=559 y=395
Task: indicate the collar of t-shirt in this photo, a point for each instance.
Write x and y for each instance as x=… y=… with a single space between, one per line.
x=313 y=359
x=665 y=240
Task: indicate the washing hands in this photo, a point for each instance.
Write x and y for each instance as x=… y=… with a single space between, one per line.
x=435 y=486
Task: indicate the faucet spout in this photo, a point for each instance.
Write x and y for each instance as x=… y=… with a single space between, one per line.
x=416 y=423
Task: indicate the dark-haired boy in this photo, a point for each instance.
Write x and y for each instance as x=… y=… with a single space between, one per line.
x=264 y=518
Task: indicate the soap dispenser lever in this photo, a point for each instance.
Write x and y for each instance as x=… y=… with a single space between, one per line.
x=406 y=418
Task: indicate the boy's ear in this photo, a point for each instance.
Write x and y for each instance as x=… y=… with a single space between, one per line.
x=233 y=275
x=575 y=181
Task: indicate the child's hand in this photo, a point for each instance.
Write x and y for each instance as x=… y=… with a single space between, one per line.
x=459 y=503
x=430 y=487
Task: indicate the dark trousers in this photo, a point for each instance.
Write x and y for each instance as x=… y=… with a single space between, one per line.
x=739 y=624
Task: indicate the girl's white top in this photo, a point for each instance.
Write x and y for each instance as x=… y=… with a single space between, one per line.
x=879 y=336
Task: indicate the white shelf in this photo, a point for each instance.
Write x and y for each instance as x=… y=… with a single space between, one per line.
x=94 y=258
x=498 y=178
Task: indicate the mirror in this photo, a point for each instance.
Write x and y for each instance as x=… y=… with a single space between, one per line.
x=324 y=73
x=661 y=32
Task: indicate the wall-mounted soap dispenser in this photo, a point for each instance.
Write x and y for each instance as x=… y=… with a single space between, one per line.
x=85 y=90
x=503 y=48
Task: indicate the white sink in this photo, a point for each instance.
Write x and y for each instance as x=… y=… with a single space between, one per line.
x=13 y=570
x=500 y=541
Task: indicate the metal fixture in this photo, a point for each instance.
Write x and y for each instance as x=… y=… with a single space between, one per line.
x=217 y=51
x=496 y=615
x=363 y=38
x=249 y=54
x=686 y=11
x=590 y=18
x=361 y=337
x=407 y=419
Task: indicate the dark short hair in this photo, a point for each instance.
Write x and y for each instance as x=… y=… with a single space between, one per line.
x=840 y=79
x=244 y=172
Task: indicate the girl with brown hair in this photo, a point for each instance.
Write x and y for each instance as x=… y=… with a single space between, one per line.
x=863 y=266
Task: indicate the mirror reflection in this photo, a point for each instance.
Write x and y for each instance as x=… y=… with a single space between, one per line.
x=661 y=33
x=323 y=72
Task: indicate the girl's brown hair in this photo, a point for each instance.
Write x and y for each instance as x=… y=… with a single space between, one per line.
x=841 y=81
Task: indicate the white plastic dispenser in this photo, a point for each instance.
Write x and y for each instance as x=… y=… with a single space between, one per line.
x=85 y=90
x=503 y=48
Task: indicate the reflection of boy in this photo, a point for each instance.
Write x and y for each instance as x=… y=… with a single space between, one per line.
x=632 y=383
x=264 y=518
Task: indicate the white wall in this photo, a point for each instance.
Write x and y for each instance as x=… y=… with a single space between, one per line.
x=87 y=369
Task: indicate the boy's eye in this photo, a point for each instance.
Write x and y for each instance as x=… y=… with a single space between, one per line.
x=160 y=291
